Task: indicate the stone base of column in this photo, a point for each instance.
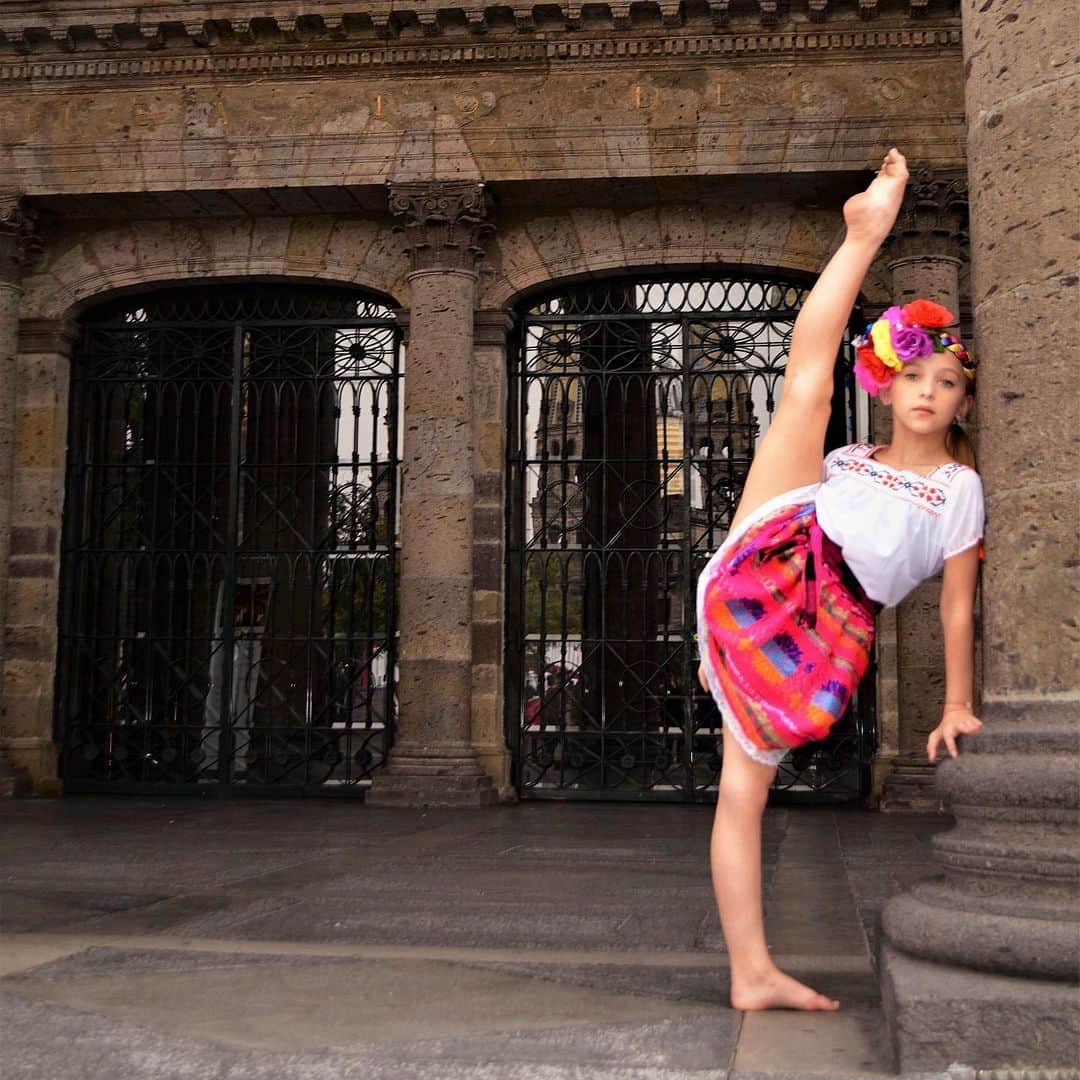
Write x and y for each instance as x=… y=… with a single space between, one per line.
x=910 y=785
x=436 y=774
x=28 y=766
x=14 y=783
x=978 y=964
x=939 y=1015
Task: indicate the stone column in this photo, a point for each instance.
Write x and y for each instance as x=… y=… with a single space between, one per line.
x=16 y=232
x=433 y=761
x=979 y=964
x=924 y=257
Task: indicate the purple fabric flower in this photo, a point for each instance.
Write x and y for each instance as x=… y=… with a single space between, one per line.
x=910 y=342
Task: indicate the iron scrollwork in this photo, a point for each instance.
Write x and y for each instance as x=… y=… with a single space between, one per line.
x=638 y=405
x=230 y=555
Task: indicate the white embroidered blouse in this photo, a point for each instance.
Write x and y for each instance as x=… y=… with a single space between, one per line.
x=896 y=527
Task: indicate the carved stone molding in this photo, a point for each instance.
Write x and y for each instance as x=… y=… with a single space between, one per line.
x=285 y=56
x=444 y=225
x=932 y=222
x=48 y=335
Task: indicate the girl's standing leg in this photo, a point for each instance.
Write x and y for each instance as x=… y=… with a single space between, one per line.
x=790 y=456
x=756 y=982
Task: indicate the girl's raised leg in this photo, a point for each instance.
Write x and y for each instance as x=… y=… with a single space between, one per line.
x=790 y=456
x=793 y=449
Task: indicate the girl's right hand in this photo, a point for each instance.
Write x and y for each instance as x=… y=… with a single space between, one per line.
x=701 y=676
x=954 y=721
x=871 y=214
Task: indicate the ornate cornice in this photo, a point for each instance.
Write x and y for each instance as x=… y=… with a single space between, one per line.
x=444 y=225
x=933 y=219
x=106 y=39
x=286 y=61
x=89 y=24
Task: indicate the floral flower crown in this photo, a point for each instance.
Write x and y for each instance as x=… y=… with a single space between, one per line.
x=903 y=334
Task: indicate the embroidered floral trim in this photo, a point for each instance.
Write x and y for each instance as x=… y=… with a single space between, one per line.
x=921 y=492
x=953 y=469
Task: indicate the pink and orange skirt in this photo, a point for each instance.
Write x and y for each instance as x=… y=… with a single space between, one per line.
x=784 y=628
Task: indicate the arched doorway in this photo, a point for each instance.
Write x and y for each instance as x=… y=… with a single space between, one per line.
x=229 y=566
x=637 y=407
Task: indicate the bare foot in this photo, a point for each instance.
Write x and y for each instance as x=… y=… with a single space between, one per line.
x=775 y=990
x=871 y=214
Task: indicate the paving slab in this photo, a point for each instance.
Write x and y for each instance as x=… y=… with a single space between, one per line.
x=533 y=940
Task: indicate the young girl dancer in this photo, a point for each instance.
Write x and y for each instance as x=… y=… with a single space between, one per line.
x=817 y=546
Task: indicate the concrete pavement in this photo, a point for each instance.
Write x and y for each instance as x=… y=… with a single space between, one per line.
x=169 y=938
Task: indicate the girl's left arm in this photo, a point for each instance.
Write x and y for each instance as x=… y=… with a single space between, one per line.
x=958 y=623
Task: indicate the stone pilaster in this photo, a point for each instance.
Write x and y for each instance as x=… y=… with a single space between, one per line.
x=979 y=964
x=43 y=377
x=16 y=242
x=489 y=555
x=433 y=760
x=924 y=256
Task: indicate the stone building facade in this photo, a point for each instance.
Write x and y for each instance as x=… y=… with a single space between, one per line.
x=451 y=163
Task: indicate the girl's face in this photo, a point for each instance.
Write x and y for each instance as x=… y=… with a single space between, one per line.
x=926 y=395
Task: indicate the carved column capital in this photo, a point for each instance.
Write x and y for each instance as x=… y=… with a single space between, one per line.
x=19 y=239
x=445 y=224
x=932 y=222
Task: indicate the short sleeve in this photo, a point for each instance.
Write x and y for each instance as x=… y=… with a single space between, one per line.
x=965 y=513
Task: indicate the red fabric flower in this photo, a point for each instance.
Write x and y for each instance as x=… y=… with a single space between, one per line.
x=877 y=368
x=927 y=313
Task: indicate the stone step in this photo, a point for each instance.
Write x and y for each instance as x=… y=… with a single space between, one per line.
x=910 y=786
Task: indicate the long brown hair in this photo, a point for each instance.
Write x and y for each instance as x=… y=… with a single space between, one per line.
x=957 y=444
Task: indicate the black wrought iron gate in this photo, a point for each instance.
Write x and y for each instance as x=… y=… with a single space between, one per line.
x=229 y=552
x=637 y=408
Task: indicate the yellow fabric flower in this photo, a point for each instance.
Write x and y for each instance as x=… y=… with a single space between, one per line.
x=882 y=339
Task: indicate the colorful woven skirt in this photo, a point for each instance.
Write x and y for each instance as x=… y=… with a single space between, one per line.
x=784 y=629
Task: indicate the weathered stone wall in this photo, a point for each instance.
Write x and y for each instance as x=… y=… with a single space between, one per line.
x=539 y=105
x=83 y=261
x=159 y=148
